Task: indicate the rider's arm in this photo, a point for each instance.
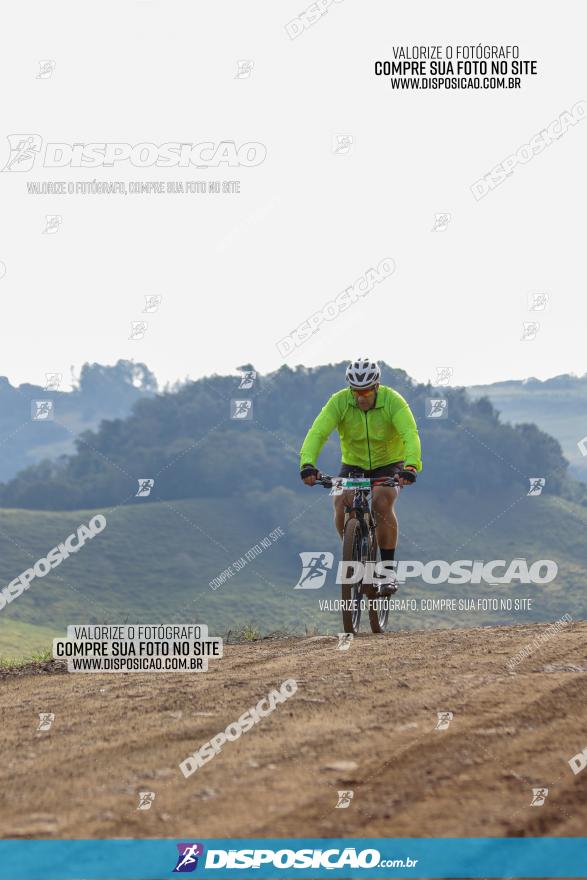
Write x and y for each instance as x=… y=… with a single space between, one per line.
x=405 y=424
x=322 y=427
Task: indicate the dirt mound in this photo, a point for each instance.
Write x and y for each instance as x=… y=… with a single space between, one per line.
x=363 y=720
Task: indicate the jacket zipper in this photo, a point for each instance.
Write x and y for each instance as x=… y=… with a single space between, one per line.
x=368 y=443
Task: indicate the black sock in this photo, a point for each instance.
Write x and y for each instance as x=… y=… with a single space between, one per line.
x=387 y=555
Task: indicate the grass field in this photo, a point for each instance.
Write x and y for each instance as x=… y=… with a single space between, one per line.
x=154 y=561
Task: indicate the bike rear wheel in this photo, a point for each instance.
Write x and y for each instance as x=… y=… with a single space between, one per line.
x=352 y=594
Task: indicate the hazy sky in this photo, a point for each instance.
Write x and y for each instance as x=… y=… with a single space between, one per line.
x=238 y=272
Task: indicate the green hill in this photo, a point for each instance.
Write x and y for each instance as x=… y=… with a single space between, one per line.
x=558 y=406
x=154 y=561
x=100 y=392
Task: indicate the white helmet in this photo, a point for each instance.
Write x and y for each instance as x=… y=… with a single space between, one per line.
x=363 y=373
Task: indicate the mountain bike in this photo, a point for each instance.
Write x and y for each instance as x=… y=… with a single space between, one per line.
x=359 y=544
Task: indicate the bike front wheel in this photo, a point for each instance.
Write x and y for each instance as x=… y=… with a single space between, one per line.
x=352 y=594
x=378 y=608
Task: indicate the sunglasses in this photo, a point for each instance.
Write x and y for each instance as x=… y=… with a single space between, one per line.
x=363 y=392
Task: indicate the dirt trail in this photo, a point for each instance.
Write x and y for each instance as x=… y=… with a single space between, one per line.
x=373 y=707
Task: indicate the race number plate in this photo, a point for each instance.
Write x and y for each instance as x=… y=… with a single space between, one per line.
x=355 y=483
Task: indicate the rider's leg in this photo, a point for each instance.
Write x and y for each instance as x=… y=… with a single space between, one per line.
x=339 y=505
x=383 y=507
x=384 y=498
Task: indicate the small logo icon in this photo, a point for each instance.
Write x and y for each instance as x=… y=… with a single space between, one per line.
x=315 y=567
x=537 y=302
x=441 y=222
x=244 y=68
x=42 y=410
x=539 y=795
x=247 y=379
x=152 y=303
x=342 y=144
x=241 y=409
x=187 y=859
x=344 y=641
x=46 y=69
x=344 y=800
x=52 y=381
x=436 y=408
x=145 y=486
x=46 y=719
x=536 y=485
x=52 y=223
x=23 y=151
x=582 y=445
x=443 y=376
x=146 y=798
x=2 y=269
x=444 y=719
x=138 y=329
x=530 y=331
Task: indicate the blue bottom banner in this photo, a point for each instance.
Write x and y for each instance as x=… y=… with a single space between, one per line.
x=292 y=857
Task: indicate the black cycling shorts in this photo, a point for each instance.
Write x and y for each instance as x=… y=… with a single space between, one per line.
x=388 y=470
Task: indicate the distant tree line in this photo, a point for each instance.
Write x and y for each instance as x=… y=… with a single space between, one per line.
x=186 y=441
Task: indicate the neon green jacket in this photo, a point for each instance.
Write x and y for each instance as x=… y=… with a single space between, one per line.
x=370 y=439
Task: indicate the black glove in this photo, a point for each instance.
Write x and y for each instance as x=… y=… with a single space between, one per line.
x=408 y=474
x=308 y=470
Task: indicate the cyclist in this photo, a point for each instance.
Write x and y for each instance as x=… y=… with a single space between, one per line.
x=378 y=438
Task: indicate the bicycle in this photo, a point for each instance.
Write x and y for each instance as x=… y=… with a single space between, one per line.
x=359 y=544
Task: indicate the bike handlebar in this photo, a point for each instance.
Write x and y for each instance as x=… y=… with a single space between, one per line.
x=329 y=482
